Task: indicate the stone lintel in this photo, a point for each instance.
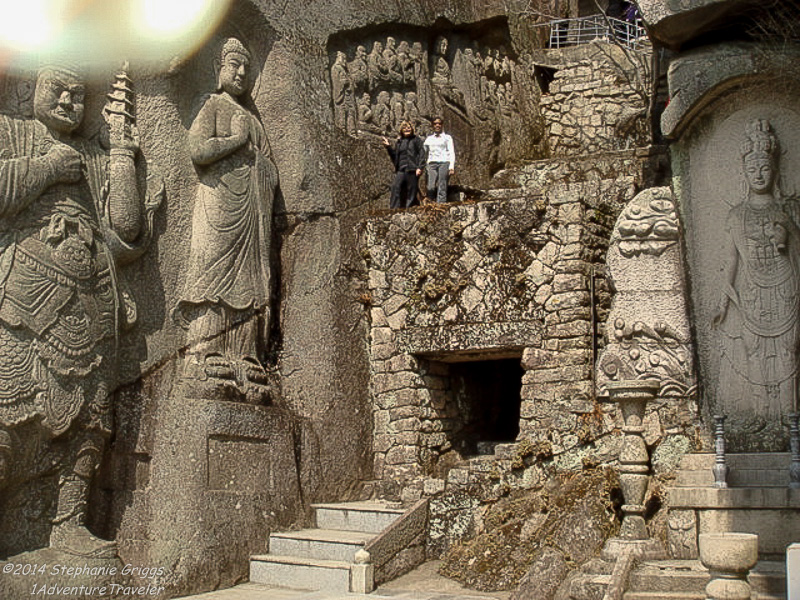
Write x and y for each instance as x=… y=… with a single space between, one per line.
x=470 y=341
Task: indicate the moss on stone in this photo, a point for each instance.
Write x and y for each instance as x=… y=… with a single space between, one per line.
x=572 y=514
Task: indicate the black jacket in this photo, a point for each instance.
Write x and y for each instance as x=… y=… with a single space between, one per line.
x=415 y=149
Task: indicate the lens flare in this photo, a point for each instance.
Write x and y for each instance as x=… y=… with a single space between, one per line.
x=97 y=31
x=173 y=17
x=177 y=24
x=26 y=25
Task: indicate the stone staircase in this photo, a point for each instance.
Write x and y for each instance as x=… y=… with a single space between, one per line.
x=758 y=500
x=686 y=580
x=324 y=558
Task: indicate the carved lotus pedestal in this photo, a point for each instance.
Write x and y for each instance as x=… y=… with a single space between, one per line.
x=728 y=558
x=634 y=470
x=231 y=381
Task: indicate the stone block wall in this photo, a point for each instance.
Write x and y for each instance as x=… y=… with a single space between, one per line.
x=597 y=103
x=444 y=284
x=566 y=424
x=500 y=279
x=558 y=386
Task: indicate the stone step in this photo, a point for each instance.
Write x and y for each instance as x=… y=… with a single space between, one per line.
x=257 y=591
x=736 y=478
x=689 y=577
x=686 y=596
x=481 y=463
x=664 y=596
x=768 y=469
x=769 y=579
x=734 y=498
x=504 y=193
x=487 y=448
x=506 y=450
x=369 y=517
x=653 y=577
x=300 y=573
x=324 y=558
x=326 y=544
x=760 y=460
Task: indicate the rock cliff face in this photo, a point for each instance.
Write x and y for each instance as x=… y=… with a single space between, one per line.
x=178 y=444
x=378 y=351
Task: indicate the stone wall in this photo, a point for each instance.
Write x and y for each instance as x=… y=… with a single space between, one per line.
x=597 y=100
x=443 y=282
x=502 y=279
x=567 y=423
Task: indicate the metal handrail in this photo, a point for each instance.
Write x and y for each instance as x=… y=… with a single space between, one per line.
x=583 y=30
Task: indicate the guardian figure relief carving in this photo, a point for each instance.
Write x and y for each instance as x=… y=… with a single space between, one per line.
x=71 y=214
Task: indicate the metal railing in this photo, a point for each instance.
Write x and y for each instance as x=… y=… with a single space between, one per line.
x=574 y=32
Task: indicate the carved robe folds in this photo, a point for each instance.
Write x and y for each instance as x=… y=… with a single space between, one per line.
x=761 y=330
x=229 y=256
x=59 y=305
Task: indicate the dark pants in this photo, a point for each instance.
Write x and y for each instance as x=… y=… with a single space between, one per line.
x=404 y=189
x=438 y=172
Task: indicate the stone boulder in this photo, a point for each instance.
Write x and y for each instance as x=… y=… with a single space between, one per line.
x=535 y=538
x=676 y=23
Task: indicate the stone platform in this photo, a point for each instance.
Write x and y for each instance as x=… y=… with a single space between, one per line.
x=757 y=500
x=686 y=580
x=223 y=476
x=423 y=583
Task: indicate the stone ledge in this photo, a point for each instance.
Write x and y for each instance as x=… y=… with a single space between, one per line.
x=465 y=342
x=734 y=498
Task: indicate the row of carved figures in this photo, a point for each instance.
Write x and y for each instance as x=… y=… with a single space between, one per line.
x=388 y=110
x=374 y=92
x=393 y=63
x=385 y=114
x=404 y=62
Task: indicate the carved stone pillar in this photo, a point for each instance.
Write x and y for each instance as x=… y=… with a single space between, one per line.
x=634 y=469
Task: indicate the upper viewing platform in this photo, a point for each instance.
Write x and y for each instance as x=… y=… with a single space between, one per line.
x=584 y=30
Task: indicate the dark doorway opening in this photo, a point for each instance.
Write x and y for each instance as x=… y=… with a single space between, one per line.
x=544 y=77
x=487 y=394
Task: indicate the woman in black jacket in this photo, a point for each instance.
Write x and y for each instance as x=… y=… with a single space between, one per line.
x=408 y=156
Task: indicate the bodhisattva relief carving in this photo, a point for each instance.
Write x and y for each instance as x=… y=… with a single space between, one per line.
x=343 y=99
x=757 y=314
x=225 y=302
x=71 y=214
x=442 y=76
x=401 y=81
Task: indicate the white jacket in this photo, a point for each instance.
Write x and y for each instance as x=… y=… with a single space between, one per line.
x=440 y=149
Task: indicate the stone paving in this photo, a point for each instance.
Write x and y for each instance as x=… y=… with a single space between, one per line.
x=422 y=584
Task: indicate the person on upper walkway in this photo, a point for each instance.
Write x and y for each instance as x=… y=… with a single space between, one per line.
x=408 y=157
x=441 y=161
